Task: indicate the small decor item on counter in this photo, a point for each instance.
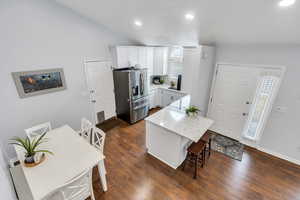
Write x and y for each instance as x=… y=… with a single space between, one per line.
x=156 y=80
x=192 y=111
x=161 y=81
x=33 y=156
x=173 y=84
x=179 y=82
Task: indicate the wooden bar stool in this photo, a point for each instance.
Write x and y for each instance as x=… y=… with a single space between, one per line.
x=207 y=139
x=195 y=154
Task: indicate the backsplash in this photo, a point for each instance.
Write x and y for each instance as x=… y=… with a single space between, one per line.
x=163 y=79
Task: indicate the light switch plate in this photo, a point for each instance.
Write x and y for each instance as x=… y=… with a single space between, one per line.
x=281 y=109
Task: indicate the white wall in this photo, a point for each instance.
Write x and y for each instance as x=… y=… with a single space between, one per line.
x=38 y=35
x=6 y=188
x=281 y=136
x=197 y=74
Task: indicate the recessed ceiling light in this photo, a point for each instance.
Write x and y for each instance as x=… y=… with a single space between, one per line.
x=286 y=3
x=138 y=23
x=189 y=16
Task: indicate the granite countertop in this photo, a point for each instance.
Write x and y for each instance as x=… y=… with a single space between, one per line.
x=156 y=86
x=174 y=119
x=165 y=87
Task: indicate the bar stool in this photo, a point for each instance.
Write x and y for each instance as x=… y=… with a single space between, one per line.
x=207 y=139
x=195 y=154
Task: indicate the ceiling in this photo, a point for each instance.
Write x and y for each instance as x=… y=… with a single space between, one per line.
x=216 y=21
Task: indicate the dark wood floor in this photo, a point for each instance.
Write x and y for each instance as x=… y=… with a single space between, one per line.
x=132 y=174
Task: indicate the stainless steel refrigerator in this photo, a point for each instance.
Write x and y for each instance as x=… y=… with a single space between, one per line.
x=131 y=94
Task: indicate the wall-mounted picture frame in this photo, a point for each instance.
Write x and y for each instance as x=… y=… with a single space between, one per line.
x=32 y=83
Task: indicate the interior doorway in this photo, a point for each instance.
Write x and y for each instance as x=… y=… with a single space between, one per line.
x=101 y=89
x=241 y=100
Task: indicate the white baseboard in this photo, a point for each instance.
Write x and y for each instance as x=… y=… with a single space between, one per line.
x=284 y=157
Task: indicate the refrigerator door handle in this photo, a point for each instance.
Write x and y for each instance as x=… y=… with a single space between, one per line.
x=142 y=84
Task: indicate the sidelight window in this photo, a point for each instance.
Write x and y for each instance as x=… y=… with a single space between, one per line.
x=260 y=108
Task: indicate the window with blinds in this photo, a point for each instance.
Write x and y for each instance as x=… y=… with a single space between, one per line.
x=175 y=64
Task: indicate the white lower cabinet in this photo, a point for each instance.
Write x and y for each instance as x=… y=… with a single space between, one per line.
x=158 y=97
x=161 y=97
x=152 y=101
x=169 y=97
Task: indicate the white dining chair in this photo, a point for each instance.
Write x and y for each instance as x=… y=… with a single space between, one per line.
x=38 y=130
x=98 y=139
x=86 y=129
x=79 y=188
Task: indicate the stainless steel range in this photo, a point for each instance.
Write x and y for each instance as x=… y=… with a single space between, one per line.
x=131 y=94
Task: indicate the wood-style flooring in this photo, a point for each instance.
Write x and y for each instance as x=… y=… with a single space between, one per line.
x=132 y=174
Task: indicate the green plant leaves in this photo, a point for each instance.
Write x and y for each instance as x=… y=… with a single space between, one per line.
x=192 y=109
x=30 y=146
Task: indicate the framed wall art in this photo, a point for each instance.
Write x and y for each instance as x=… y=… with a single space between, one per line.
x=32 y=83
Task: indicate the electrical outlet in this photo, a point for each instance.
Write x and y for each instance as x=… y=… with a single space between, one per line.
x=281 y=109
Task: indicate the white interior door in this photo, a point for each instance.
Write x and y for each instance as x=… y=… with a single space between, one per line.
x=232 y=96
x=101 y=87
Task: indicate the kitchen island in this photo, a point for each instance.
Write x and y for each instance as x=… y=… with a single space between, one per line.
x=170 y=131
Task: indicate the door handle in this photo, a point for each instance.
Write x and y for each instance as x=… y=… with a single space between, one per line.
x=93 y=101
x=141 y=84
x=245 y=114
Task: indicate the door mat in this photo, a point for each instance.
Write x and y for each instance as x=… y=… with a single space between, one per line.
x=230 y=147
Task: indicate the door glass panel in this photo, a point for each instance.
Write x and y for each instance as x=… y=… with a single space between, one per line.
x=261 y=103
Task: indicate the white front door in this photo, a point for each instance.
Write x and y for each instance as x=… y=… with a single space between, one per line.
x=101 y=88
x=232 y=96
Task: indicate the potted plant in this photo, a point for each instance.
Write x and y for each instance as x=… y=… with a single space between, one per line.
x=31 y=146
x=173 y=84
x=161 y=81
x=192 y=111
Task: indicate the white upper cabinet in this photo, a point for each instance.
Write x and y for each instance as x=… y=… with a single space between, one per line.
x=142 y=56
x=133 y=56
x=126 y=56
x=160 y=61
x=121 y=57
x=155 y=59
x=130 y=56
x=149 y=60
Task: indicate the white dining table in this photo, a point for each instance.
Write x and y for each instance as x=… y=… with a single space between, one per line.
x=71 y=155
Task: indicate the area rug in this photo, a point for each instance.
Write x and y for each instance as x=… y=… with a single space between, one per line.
x=230 y=147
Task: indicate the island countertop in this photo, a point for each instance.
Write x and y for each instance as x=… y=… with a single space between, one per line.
x=174 y=119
